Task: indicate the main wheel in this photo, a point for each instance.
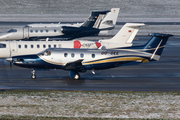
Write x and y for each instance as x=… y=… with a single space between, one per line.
x=74 y=74
x=33 y=76
x=76 y=77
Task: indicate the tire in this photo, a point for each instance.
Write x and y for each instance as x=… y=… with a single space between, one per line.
x=33 y=77
x=76 y=77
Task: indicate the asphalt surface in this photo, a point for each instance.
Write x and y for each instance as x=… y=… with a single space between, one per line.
x=162 y=75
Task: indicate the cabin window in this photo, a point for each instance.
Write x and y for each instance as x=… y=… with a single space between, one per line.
x=54 y=46
x=81 y=55
x=93 y=55
x=47 y=31
x=72 y=55
x=59 y=45
x=25 y=46
x=38 y=46
x=12 y=30
x=49 y=46
x=19 y=46
x=32 y=46
x=36 y=31
x=44 y=46
x=55 y=30
x=31 y=31
x=65 y=54
x=41 y=30
x=2 y=45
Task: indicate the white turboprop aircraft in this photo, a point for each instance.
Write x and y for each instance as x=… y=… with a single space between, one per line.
x=81 y=60
x=98 y=22
x=123 y=38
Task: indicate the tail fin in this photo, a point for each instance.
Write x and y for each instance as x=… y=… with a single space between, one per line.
x=156 y=45
x=110 y=19
x=126 y=34
x=95 y=19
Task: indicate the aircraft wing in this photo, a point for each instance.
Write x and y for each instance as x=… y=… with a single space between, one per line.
x=76 y=65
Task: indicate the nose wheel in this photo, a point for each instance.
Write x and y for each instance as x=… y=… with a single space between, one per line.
x=33 y=74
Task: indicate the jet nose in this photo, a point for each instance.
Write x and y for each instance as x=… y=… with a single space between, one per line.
x=4 y=37
x=9 y=59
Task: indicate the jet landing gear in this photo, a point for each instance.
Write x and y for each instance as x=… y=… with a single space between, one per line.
x=74 y=74
x=33 y=74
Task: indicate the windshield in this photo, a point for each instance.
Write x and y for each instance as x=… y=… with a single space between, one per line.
x=2 y=45
x=12 y=30
x=45 y=53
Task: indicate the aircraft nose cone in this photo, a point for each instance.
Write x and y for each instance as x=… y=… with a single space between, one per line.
x=9 y=59
x=4 y=37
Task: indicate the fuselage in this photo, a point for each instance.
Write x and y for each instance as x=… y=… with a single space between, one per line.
x=36 y=31
x=15 y=48
x=91 y=59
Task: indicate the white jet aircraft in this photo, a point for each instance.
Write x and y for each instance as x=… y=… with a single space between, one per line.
x=98 y=22
x=123 y=38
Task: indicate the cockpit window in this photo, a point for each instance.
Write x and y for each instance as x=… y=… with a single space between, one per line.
x=45 y=53
x=2 y=45
x=26 y=26
x=12 y=30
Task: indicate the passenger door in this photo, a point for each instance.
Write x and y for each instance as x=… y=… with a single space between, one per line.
x=26 y=32
x=13 y=47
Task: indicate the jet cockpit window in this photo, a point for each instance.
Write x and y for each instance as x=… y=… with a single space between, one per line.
x=2 y=45
x=26 y=26
x=12 y=30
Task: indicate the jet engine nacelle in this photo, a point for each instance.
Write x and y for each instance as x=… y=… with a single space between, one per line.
x=70 y=30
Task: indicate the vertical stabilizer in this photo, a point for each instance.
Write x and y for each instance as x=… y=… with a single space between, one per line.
x=156 y=45
x=125 y=35
x=110 y=20
x=95 y=19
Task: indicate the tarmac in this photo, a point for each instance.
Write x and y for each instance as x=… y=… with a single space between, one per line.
x=163 y=75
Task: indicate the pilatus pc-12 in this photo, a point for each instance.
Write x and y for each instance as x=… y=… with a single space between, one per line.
x=81 y=60
x=98 y=21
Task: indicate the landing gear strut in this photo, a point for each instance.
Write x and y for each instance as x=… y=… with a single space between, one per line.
x=74 y=74
x=33 y=74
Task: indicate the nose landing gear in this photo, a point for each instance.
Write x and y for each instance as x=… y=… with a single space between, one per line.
x=33 y=74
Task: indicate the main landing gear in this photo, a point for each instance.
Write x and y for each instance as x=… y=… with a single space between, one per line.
x=74 y=74
x=33 y=74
